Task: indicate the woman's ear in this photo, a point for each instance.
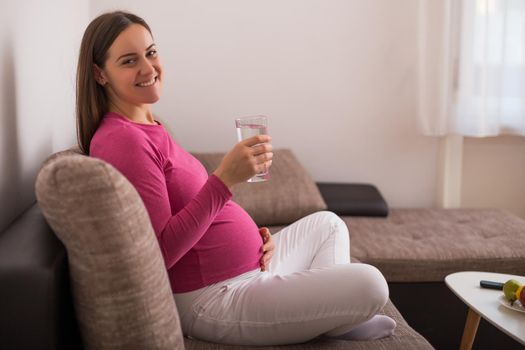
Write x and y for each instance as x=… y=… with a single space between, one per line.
x=99 y=75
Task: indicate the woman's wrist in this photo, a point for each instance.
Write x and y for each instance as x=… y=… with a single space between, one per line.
x=221 y=176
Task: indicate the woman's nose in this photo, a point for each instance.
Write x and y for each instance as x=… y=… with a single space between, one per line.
x=147 y=68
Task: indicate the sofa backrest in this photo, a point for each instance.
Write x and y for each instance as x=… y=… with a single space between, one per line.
x=287 y=196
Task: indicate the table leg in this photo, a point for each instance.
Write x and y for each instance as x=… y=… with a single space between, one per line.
x=471 y=327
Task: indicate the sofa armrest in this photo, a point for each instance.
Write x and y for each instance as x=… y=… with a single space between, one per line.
x=353 y=199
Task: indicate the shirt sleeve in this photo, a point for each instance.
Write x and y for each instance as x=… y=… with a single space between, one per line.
x=142 y=164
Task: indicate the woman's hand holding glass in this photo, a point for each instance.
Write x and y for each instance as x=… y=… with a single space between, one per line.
x=247 y=158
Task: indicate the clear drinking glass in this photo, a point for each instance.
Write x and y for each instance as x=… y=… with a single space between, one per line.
x=251 y=126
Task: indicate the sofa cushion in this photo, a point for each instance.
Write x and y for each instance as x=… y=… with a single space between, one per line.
x=120 y=286
x=404 y=338
x=425 y=245
x=287 y=196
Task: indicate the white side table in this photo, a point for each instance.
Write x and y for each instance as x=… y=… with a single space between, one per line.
x=485 y=303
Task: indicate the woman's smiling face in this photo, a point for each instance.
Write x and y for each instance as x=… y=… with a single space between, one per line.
x=132 y=73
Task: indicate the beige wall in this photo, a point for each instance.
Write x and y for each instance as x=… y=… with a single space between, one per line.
x=494 y=173
x=337 y=79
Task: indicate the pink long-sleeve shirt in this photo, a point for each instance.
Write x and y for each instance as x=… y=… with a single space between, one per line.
x=204 y=236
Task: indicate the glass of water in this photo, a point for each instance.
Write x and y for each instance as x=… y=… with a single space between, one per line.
x=252 y=126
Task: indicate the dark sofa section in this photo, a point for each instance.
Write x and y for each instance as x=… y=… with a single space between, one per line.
x=35 y=298
x=353 y=199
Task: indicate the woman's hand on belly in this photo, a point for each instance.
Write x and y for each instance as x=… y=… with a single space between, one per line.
x=267 y=248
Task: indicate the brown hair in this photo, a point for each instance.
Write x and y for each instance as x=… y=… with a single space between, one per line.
x=91 y=99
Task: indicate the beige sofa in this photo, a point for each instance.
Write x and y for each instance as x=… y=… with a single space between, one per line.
x=414 y=248
x=121 y=295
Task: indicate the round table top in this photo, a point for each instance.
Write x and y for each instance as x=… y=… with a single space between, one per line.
x=488 y=302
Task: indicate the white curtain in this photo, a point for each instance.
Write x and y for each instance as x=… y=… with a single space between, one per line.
x=472 y=67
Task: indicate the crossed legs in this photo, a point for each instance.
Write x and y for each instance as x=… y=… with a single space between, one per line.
x=311 y=289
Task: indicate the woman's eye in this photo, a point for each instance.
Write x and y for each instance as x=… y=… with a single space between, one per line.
x=152 y=53
x=131 y=60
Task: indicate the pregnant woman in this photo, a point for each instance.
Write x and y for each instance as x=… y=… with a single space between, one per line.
x=232 y=281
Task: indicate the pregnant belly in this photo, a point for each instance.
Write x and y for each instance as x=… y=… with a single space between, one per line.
x=231 y=246
x=232 y=240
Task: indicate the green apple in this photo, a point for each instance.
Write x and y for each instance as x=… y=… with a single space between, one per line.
x=509 y=289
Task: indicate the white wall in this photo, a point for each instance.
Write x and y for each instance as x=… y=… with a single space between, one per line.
x=39 y=43
x=337 y=79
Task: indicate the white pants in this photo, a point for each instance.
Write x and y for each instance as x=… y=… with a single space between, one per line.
x=311 y=288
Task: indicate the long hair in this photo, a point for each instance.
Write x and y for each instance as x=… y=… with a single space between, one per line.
x=91 y=99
